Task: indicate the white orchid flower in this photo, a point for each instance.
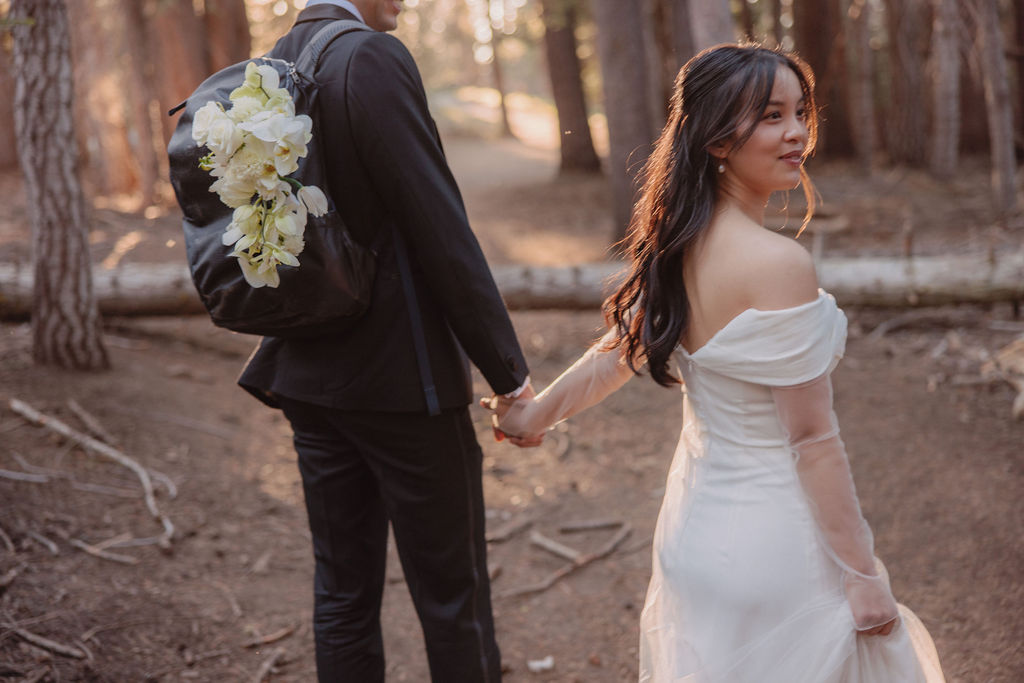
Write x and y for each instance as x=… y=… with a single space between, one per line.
x=313 y=198
x=203 y=119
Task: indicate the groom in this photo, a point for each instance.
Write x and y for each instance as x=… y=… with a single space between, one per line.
x=380 y=413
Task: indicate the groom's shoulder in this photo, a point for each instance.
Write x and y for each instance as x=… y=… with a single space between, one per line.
x=367 y=55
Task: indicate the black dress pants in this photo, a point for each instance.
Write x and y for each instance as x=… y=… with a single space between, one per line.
x=361 y=469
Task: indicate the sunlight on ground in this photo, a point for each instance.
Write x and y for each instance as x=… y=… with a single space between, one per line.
x=475 y=111
x=123 y=245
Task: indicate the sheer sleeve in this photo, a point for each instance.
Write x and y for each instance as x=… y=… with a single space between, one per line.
x=805 y=412
x=585 y=383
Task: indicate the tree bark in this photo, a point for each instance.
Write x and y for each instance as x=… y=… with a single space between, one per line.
x=8 y=149
x=711 y=23
x=945 y=142
x=778 y=30
x=908 y=45
x=227 y=30
x=499 y=79
x=997 y=101
x=577 y=144
x=66 y=327
x=621 y=53
x=100 y=101
x=177 y=37
x=820 y=40
x=166 y=289
x=144 y=108
x=862 y=85
x=683 y=42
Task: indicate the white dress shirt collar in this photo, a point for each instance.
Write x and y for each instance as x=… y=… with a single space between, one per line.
x=344 y=4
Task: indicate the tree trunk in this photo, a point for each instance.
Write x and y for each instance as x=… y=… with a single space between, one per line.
x=820 y=40
x=499 y=82
x=8 y=149
x=778 y=30
x=166 y=288
x=711 y=23
x=577 y=145
x=862 y=86
x=100 y=104
x=1018 y=15
x=682 y=31
x=908 y=45
x=227 y=30
x=178 y=41
x=945 y=143
x=66 y=327
x=144 y=108
x=621 y=53
x=747 y=21
x=997 y=101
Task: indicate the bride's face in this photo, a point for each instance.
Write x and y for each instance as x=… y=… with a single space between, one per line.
x=771 y=158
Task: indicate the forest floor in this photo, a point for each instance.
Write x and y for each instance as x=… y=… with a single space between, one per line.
x=938 y=461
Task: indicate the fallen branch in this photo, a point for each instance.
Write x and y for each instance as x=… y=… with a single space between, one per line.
x=46 y=643
x=922 y=318
x=102 y=554
x=8 y=578
x=24 y=476
x=583 y=561
x=91 y=423
x=44 y=541
x=236 y=609
x=55 y=425
x=590 y=525
x=37 y=675
x=267 y=665
x=7 y=540
x=554 y=547
x=502 y=534
x=270 y=638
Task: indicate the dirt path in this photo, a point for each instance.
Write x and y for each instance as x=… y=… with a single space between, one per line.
x=939 y=469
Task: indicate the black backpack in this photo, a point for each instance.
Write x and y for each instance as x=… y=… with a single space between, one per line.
x=332 y=285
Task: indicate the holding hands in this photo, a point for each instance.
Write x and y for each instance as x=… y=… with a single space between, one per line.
x=503 y=418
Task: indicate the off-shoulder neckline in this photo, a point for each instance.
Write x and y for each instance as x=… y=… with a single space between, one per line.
x=822 y=294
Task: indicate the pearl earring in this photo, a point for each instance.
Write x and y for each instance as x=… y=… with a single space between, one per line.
x=721 y=168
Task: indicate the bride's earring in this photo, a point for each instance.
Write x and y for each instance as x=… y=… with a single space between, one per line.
x=721 y=168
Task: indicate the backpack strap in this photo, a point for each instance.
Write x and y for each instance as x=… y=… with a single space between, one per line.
x=310 y=56
x=418 y=338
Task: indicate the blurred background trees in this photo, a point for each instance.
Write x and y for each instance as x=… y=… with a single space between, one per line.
x=901 y=82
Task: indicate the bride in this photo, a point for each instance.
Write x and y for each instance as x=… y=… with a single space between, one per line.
x=763 y=567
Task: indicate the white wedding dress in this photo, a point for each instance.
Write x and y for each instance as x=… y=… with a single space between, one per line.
x=757 y=534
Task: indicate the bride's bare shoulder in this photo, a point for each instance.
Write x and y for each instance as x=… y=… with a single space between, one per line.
x=777 y=271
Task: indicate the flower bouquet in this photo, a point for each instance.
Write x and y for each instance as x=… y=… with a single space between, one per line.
x=253 y=146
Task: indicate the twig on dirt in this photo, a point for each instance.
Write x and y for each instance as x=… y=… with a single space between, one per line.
x=197 y=425
x=103 y=489
x=46 y=643
x=589 y=525
x=24 y=476
x=583 y=561
x=102 y=554
x=91 y=423
x=270 y=638
x=565 y=552
x=236 y=609
x=267 y=665
x=8 y=543
x=172 y=489
x=923 y=317
x=36 y=675
x=43 y=541
x=8 y=578
x=103 y=449
x=91 y=633
x=502 y=534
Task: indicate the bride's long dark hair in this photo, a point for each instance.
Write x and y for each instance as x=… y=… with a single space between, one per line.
x=719 y=96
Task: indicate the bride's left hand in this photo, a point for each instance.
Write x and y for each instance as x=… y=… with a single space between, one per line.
x=499 y=406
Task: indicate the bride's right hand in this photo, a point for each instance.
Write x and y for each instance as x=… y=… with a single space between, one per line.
x=874 y=610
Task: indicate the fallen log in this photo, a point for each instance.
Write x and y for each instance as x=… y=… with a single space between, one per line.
x=166 y=289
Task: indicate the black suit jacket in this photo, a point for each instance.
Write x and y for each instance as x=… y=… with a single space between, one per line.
x=386 y=167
